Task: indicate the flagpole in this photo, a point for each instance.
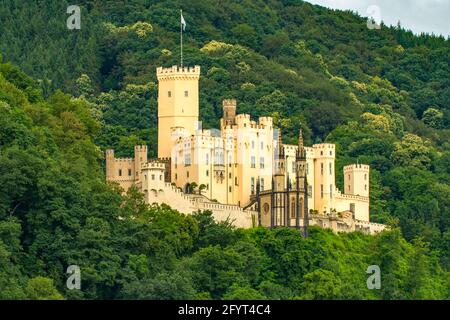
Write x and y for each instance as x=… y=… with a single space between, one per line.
x=181 y=37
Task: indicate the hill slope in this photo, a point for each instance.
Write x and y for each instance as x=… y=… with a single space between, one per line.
x=381 y=95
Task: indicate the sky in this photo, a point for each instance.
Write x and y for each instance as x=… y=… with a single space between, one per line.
x=431 y=16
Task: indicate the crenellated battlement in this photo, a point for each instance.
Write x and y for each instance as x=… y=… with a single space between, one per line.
x=356 y=167
x=142 y=148
x=229 y=102
x=267 y=121
x=177 y=72
x=324 y=146
x=129 y=160
x=155 y=165
x=339 y=194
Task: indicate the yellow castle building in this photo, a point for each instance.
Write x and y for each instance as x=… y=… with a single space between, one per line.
x=241 y=172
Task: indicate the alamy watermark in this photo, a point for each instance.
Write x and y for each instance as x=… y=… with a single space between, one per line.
x=74 y=280
x=74 y=20
x=374 y=280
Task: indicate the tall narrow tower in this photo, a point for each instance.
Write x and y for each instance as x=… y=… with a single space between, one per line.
x=302 y=185
x=280 y=166
x=178 y=104
x=229 y=112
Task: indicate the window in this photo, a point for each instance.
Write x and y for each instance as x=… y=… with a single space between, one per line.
x=293 y=208
x=330 y=167
x=169 y=94
x=160 y=177
x=261 y=162
x=310 y=191
x=262 y=184
x=176 y=176
x=321 y=168
x=218 y=158
x=365 y=187
x=365 y=176
x=331 y=190
x=252 y=185
x=207 y=173
x=186 y=94
x=235 y=181
x=253 y=162
x=153 y=177
x=321 y=153
x=187 y=159
x=253 y=144
x=120 y=172
x=207 y=158
x=129 y=172
x=321 y=190
x=331 y=153
x=229 y=175
x=229 y=189
x=262 y=145
x=187 y=174
x=293 y=167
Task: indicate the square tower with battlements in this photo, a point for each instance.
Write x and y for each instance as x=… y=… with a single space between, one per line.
x=178 y=104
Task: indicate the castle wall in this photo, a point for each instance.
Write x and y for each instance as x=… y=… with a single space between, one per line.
x=357 y=204
x=189 y=204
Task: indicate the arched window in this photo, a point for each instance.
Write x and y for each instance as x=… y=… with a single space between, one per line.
x=293 y=208
x=301 y=207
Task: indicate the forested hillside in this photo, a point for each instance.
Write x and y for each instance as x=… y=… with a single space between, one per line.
x=381 y=95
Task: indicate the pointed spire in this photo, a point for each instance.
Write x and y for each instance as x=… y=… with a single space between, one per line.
x=300 y=138
x=280 y=145
x=301 y=153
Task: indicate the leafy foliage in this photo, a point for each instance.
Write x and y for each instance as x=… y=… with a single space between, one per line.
x=381 y=96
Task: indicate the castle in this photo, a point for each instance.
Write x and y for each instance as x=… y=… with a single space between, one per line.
x=242 y=172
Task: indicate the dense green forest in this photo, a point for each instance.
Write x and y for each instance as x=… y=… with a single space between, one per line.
x=382 y=96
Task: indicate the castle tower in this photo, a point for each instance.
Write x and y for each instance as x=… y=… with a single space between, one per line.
x=280 y=166
x=324 y=177
x=356 y=179
x=153 y=176
x=178 y=104
x=140 y=158
x=110 y=165
x=229 y=111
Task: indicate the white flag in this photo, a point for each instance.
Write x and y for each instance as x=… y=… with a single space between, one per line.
x=183 y=22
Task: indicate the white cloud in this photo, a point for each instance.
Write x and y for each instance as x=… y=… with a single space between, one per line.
x=418 y=15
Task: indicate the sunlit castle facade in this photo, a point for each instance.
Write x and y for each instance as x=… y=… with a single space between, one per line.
x=243 y=171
